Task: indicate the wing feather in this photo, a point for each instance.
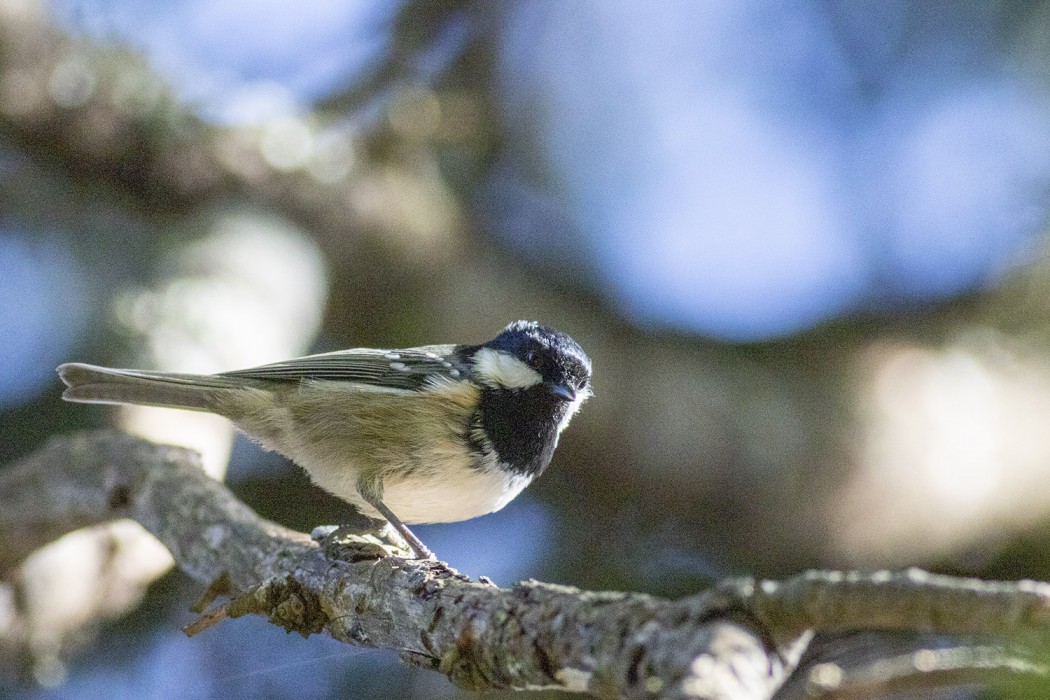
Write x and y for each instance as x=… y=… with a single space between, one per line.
x=399 y=369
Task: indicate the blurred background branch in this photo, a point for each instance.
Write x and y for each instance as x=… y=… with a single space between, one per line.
x=804 y=245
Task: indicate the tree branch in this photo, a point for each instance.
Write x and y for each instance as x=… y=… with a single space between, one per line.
x=919 y=671
x=742 y=639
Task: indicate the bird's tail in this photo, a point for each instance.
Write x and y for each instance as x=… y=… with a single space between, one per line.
x=91 y=384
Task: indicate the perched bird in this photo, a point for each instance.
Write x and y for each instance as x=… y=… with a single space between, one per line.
x=433 y=434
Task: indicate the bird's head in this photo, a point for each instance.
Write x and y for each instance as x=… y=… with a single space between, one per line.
x=526 y=356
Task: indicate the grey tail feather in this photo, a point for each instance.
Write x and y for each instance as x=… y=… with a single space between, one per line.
x=91 y=384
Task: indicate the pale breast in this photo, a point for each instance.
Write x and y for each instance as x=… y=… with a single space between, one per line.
x=453 y=495
x=444 y=495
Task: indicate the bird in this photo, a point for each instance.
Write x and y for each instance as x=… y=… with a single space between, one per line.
x=430 y=434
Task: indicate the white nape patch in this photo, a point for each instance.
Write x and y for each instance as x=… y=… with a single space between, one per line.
x=502 y=370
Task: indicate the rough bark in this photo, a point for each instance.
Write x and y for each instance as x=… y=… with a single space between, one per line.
x=741 y=639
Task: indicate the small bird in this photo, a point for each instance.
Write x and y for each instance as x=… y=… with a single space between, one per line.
x=434 y=434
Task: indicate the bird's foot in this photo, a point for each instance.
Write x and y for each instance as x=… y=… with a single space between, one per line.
x=353 y=544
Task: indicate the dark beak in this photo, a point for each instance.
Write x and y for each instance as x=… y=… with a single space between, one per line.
x=562 y=391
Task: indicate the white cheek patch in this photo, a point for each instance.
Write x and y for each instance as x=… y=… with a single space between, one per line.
x=499 y=369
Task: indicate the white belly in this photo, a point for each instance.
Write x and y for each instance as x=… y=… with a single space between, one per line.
x=444 y=496
x=461 y=495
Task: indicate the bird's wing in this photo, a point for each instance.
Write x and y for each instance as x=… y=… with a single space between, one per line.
x=396 y=369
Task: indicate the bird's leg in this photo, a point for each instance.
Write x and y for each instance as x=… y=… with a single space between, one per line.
x=418 y=547
x=371 y=493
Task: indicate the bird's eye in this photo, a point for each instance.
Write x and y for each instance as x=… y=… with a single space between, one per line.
x=531 y=357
